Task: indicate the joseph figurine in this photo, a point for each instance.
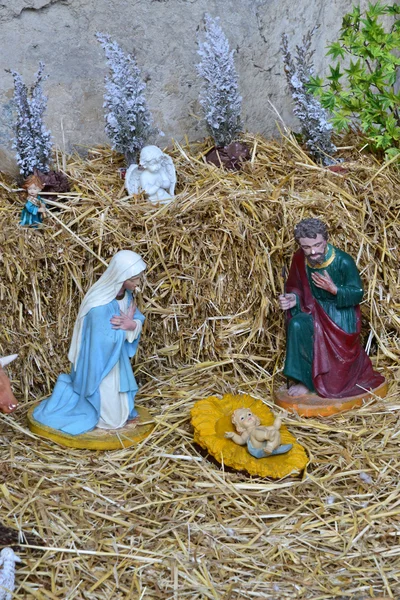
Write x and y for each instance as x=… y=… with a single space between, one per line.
x=323 y=292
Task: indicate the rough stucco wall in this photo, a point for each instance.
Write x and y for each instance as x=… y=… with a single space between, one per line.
x=162 y=34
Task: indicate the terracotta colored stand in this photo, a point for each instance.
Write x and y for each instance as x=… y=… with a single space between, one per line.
x=98 y=439
x=311 y=405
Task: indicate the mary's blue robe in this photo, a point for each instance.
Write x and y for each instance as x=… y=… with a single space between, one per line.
x=74 y=406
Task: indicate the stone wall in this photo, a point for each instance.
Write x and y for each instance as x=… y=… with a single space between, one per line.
x=162 y=34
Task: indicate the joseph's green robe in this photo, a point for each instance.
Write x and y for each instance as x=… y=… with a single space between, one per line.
x=312 y=330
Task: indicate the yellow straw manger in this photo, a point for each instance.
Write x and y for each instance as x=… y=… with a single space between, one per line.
x=161 y=520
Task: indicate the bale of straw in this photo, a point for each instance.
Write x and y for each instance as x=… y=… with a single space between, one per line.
x=162 y=521
x=214 y=256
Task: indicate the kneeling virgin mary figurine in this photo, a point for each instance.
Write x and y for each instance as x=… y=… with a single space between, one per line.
x=101 y=388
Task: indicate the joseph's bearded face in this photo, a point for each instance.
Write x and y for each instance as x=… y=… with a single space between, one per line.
x=314 y=249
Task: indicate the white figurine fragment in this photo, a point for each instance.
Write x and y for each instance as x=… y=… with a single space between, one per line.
x=155 y=174
x=8 y=558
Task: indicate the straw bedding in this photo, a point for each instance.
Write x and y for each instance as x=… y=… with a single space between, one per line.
x=163 y=520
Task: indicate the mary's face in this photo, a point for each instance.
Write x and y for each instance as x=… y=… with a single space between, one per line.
x=132 y=283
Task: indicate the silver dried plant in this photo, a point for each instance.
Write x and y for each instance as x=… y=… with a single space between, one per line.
x=32 y=141
x=128 y=118
x=219 y=95
x=315 y=127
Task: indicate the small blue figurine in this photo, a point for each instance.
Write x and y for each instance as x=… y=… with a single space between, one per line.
x=261 y=440
x=35 y=207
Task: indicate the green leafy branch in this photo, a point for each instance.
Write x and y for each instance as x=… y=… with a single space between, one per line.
x=360 y=90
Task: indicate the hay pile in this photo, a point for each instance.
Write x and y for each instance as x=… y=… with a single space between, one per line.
x=162 y=521
x=215 y=258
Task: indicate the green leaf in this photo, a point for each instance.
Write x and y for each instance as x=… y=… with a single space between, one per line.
x=394 y=98
x=376 y=10
x=391 y=127
x=393 y=10
x=391 y=153
x=335 y=73
x=385 y=102
x=382 y=141
x=340 y=122
x=335 y=76
x=375 y=51
x=372 y=131
x=351 y=19
x=355 y=69
x=350 y=102
x=328 y=100
x=314 y=85
x=336 y=50
x=391 y=78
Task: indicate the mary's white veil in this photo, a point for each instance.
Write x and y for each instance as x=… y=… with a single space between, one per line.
x=123 y=265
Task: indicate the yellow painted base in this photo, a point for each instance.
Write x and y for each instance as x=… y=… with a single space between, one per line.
x=211 y=418
x=98 y=439
x=311 y=405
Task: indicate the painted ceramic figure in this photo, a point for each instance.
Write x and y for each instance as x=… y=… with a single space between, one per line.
x=101 y=388
x=35 y=207
x=155 y=175
x=8 y=403
x=323 y=292
x=261 y=441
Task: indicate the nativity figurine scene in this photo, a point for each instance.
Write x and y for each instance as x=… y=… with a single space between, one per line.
x=99 y=392
x=214 y=324
x=325 y=361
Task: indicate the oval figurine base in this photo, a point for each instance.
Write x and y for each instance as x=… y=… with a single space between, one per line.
x=98 y=439
x=311 y=405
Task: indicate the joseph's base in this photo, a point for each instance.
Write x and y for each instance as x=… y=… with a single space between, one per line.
x=98 y=439
x=311 y=405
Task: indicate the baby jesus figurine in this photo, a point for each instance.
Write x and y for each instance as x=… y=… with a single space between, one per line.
x=261 y=440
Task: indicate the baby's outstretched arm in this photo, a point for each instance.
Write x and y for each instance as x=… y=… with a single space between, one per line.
x=277 y=423
x=238 y=439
